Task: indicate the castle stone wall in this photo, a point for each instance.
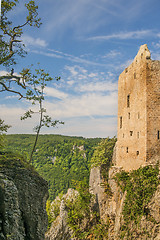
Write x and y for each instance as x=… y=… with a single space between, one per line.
x=153 y=111
x=138 y=111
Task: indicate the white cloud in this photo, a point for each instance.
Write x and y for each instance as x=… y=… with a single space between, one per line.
x=86 y=115
x=52 y=92
x=157 y=45
x=70 y=82
x=30 y=41
x=12 y=97
x=125 y=35
x=3 y=73
x=87 y=105
x=99 y=86
x=87 y=127
x=112 y=54
x=57 y=54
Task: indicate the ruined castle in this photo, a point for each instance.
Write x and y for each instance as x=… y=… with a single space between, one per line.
x=139 y=112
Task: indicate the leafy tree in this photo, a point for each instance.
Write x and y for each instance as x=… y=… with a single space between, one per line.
x=103 y=152
x=11 y=46
x=139 y=185
x=35 y=94
x=3 y=128
x=55 y=159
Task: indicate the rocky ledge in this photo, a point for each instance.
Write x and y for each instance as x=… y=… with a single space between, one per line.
x=23 y=195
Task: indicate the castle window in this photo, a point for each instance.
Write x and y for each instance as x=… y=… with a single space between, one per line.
x=137 y=134
x=138 y=115
x=129 y=115
x=137 y=153
x=134 y=75
x=120 y=122
x=126 y=149
x=128 y=101
x=158 y=134
x=131 y=133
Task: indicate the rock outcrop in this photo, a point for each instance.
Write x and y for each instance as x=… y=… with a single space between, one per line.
x=111 y=207
x=59 y=229
x=23 y=195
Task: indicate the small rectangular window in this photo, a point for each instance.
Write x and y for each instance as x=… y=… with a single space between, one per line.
x=128 y=101
x=137 y=134
x=137 y=153
x=126 y=149
x=120 y=122
x=131 y=133
x=158 y=134
x=134 y=75
x=138 y=115
x=129 y=115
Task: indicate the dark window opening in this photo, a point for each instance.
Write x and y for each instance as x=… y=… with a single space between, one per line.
x=129 y=115
x=137 y=134
x=137 y=153
x=127 y=150
x=134 y=75
x=128 y=101
x=158 y=134
x=131 y=133
x=120 y=122
x=138 y=115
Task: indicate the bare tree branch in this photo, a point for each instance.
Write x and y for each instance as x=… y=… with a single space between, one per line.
x=10 y=90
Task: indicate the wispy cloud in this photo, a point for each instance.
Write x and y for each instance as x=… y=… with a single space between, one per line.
x=55 y=93
x=58 y=54
x=139 y=34
x=112 y=54
x=30 y=41
x=86 y=105
x=99 y=87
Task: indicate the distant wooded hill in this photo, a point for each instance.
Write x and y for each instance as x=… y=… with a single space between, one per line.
x=60 y=160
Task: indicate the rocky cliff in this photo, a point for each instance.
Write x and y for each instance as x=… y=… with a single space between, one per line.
x=125 y=206
x=23 y=195
x=59 y=229
x=111 y=208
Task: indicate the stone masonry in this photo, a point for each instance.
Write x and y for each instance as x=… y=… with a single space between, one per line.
x=139 y=112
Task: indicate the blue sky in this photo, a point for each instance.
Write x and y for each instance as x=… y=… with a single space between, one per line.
x=88 y=43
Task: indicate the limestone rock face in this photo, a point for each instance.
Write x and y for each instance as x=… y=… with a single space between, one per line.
x=23 y=195
x=59 y=229
x=110 y=207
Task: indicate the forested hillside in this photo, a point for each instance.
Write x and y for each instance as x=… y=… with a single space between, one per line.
x=59 y=159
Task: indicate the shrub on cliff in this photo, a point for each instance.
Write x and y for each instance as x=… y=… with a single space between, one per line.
x=103 y=152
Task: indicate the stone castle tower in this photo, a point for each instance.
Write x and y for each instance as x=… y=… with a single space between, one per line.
x=139 y=112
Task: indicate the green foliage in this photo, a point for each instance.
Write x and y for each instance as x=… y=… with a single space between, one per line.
x=9 y=159
x=79 y=210
x=103 y=157
x=100 y=231
x=58 y=159
x=10 y=43
x=35 y=94
x=103 y=152
x=48 y=210
x=140 y=186
x=3 y=128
